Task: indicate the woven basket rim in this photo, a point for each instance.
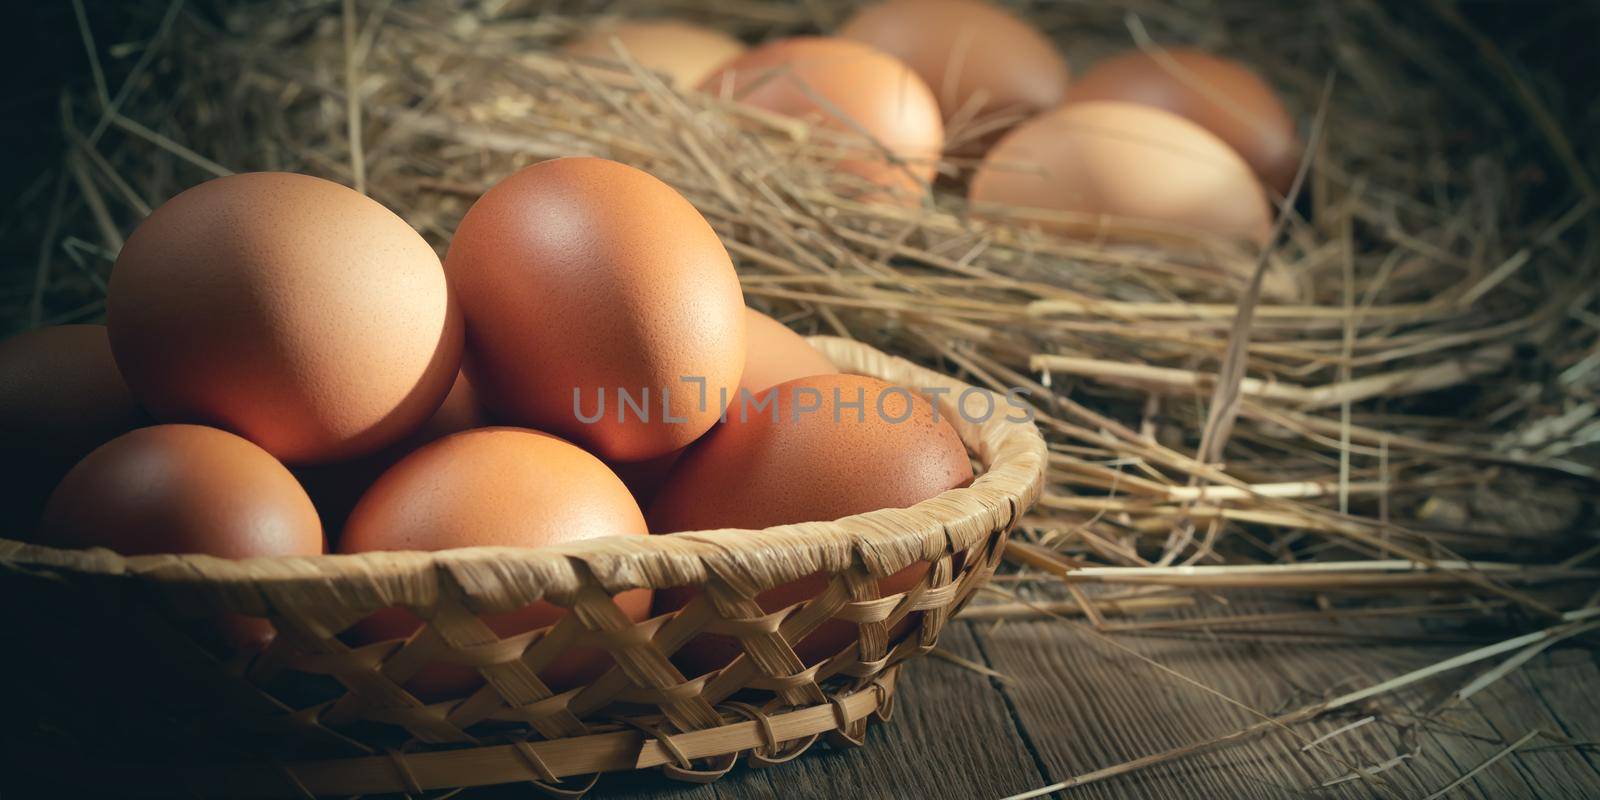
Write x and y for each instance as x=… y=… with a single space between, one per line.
x=1012 y=453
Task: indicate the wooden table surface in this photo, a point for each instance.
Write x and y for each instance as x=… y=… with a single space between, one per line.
x=1071 y=701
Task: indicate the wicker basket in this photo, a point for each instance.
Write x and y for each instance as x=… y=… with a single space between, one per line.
x=312 y=715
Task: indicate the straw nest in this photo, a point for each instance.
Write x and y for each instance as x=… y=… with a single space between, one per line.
x=1399 y=394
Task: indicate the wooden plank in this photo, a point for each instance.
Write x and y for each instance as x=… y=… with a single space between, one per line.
x=952 y=735
x=1511 y=708
x=1075 y=702
x=1565 y=682
x=1467 y=735
x=1505 y=713
x=1087 y=705
x=1438 y=754
x=1090 y=705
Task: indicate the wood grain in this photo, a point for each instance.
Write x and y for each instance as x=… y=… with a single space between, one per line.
x=1073 y=702
x=1504 y=711
x=1086 y=704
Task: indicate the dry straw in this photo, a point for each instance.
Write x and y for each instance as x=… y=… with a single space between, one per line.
x=1399 y=396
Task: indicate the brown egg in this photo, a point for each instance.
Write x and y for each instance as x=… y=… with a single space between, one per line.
x=185 y=489
x=60 y=397
x=1222 y=96
x=863 y=92
x=583 y=280
x=774 y=354
x=508 y=487
x=792 y=464
x=987 y=68
x=683 y=52
x=335 y=488
x=460 y=411
x=644 y=478
x=291 y=310
x=1124 y=161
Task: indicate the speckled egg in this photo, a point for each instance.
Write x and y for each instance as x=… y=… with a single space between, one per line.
x=291 y=310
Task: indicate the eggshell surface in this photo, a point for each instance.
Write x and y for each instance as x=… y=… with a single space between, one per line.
x=60 y=397
x=185 y=489
x=1221 y=95
x=774 y=354
x=289 y=309
x=981 y=61
x=336 y=487
x=644 y=478
x=1126 y=161
x=580 y=276
x=812 y=457
x=685 y=53
x=182 y=489
x=849 y=87
x=500 y=486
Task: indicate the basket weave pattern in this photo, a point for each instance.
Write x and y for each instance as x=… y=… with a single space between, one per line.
x=640 y=713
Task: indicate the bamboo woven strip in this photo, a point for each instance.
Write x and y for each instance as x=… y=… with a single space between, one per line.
x=312 y=600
